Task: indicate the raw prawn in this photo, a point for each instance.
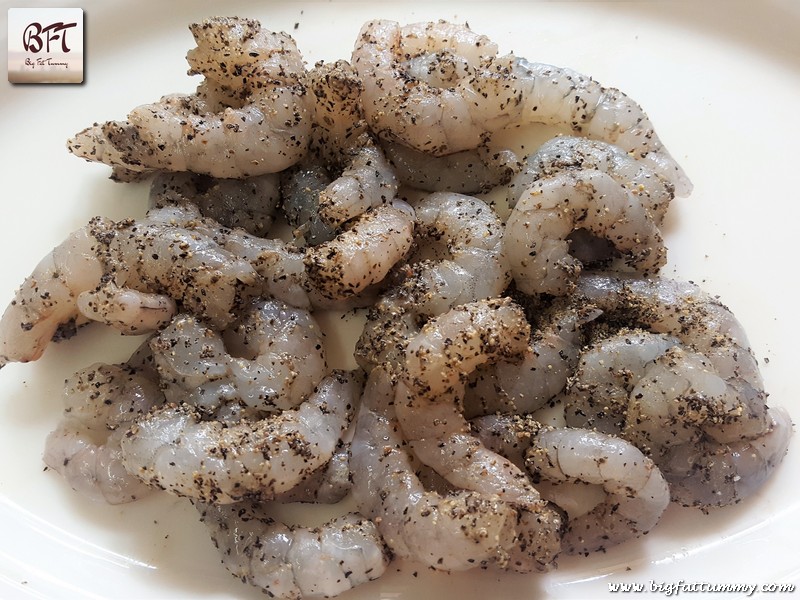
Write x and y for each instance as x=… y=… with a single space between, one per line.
x=251 y=116
x=100 y=402
x=536 y=239
x=174 y=449
x=247 y=203
x=295 y=562
x=465 y=91
x=610 y=491
x=525 y=385
x=455 y=532
x=466 y=172
x=693 y=392
x=363 y=254
x=459 y=259
x=564 y=153
x=271 y=358
x=428 y=397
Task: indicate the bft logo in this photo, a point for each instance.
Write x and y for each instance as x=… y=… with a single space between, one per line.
x=32 y=36
x=45 y=45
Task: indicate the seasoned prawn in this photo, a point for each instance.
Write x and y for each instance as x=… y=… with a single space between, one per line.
x=688 y=388
x=363 y=254
x=46 y=301
x=100 y=402
x=338 y=119
x=536 y=240
x=295 y=562
x=466 y=172
x=453 y=532
x=459 y=259
x=251 y=116
x=576 y=153
x=465 y=91
x=270 y=359
x=526 y=385
x=428 y=399
x=609 y=490
x=174 y=449
x=247 y=203
x=367 y=181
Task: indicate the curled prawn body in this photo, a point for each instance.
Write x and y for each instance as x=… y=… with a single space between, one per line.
x=570 y=153
x=608 y=489
x=47 y=299
x=453 y=532
x=427 y=402
x=537 y=231
x=441 y=88
x=100 y=403
x=251 y=116
x=291 y=563
x=270 y=359
x=687 y=390
x=176 y=449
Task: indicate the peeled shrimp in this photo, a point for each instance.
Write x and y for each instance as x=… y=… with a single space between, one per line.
x=252 y=115
x=100 y=402
x=174 y=449
x=691 y=388
x=338 y=115
x=537 y=230
x=459 y=259
x=455 y=532
x=576 y=153
x=247 y=203
x=295 y=562
x=367 y=181
x=466 y=172
x=436 y=114
x=526 y=385
x=46 y=301
x=636 y=493
x=363 y=254
x=464 y=92
x=270 y=359
x=610 y=491
x=428 y=396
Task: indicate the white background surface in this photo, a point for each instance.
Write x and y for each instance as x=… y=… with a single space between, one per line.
x=721 y=82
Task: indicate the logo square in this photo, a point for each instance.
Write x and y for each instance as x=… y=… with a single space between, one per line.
x=45 y=45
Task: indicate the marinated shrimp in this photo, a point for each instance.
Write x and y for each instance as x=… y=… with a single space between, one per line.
x=295 y=562
x=251 y=116
x=536 y=239
x=456 y=532
x=438 y=360
x=458 y=259
x=609 y=490
x=270 y=359
x=247 y=203
x=338 y=120
x=690 y=389
x=564 y=153
x=100 y=402
x=174 y=449
x=46 y=301
x=466 y=172
x=363 y=254
x=526 y=385
x=367 y=181
x=465 y=91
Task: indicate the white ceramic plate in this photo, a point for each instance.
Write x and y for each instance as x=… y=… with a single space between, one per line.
x=721 y=81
